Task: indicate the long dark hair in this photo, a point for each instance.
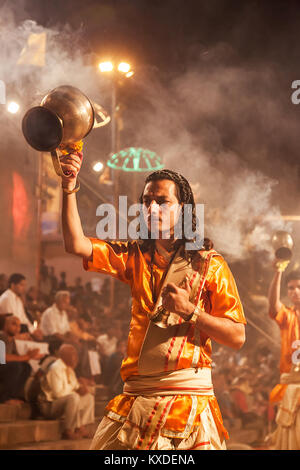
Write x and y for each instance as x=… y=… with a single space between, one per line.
x=185 y=195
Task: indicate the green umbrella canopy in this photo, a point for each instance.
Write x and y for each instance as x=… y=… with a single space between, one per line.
x=135 y=160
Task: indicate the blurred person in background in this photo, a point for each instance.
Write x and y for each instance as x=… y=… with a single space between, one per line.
x=114 y=361
x=54 y=320
x=53 y=279
x=11 y=301
x=33 y=306
x=62 y=282
x=16 y=371
x=62 y=395
x=3 y=283
x=224 y=396
x=286 y=394
x=45 y=285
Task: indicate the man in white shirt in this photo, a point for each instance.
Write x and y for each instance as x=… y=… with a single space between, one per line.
x=107 y=345
x=11 y=302
x=63 y=395
x=54 y=321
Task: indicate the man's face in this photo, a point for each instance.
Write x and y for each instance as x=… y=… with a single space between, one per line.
x=293 y=288
x=63 y=303
x=69 y=356
x=19 y=288
x=12 y=326
x=161 y=206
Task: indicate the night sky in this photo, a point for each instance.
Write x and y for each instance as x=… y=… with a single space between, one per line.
x=211 y=93
x=161 y=33
x=171 y=35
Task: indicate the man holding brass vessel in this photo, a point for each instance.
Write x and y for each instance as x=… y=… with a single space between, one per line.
x=180 y=301
x=287 y=393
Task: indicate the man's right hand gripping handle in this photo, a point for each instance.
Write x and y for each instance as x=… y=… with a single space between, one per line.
x=71 y=164
x=74 y=239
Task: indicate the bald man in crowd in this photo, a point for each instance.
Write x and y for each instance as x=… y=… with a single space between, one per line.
x=63 y=395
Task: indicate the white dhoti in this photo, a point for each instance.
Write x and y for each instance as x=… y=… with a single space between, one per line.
x=287 y=433
x=142 y=428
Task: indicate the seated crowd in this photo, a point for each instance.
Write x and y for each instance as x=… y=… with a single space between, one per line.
x=60 y=342
x=85 y=344
x=242 y=384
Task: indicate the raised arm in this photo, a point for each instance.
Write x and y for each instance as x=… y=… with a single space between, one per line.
x=274 y=293
x=74 y=239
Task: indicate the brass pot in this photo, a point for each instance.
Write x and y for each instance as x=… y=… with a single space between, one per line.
x=64 y=116
x=283 y=244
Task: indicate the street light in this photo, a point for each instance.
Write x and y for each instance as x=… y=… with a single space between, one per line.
x=13 y=107
x=123 y=67
x=97 y=167
x=115 y=71
x=106 y=66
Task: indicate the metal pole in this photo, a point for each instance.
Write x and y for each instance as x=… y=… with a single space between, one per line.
x=114 y=175
x=39 y=219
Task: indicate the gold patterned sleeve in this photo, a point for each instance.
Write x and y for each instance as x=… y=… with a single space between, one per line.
x=224 y=296
x=110 y=258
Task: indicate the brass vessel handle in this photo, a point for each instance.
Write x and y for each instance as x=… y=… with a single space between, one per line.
x=57 y=165
x=102 y=114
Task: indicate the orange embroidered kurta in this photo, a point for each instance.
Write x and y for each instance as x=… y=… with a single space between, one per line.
x=289 y=325
x=128 y=262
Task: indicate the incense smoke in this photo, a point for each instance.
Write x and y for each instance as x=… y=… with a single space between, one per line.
x=215 y=123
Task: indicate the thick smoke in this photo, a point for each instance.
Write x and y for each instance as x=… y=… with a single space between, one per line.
x=189 y=123
x=190 y=120
x=64 y=64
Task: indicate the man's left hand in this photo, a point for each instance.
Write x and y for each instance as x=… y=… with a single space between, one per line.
x=37 y=335
x=176 y=299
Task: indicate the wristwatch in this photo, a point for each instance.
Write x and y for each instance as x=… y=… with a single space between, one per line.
x=194 y=315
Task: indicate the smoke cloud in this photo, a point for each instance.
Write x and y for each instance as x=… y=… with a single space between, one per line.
x=217 y=122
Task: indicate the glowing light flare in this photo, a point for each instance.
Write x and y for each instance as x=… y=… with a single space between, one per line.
x=123 y=67
x=106 y=66
x=135 y=160
x=20 y=207
x=129 y=74
x=97 y=167
x=13 y=107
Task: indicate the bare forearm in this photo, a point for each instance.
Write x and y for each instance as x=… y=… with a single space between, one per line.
x=274 y=294
x=17 y=358
x=74 y=239
x=222 y=330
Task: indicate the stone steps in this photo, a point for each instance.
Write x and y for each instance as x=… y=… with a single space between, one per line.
x=59 y=444
x=17 y=431
x=9 y=413
x=80 y=444
x=39 y=434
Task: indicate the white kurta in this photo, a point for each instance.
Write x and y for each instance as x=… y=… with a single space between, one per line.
x=54 y=321
x=12 y=303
